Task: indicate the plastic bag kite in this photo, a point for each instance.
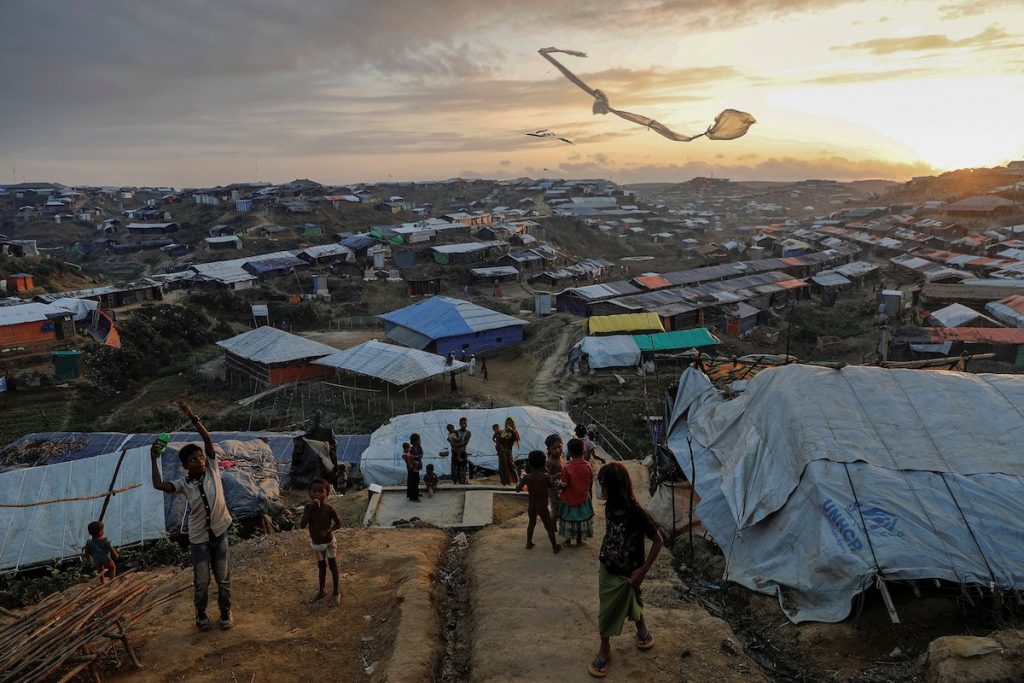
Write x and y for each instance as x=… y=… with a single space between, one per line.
x=728 y=125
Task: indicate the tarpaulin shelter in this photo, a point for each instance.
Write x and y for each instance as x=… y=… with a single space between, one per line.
x=676 y=340
x=626 y=323
x=817 y=483
x=614 y=351
x=54 y=466
x=382 y=460
x=81 y=309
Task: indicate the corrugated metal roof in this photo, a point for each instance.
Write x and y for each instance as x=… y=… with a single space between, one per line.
x=322 y=250
x=440 y=316
x=467 y=247
x=856 y=268
x=978 y=335
x=955 y=315
x=396 y=365
x=270 y=345
x=1009 y=310
x=652 y=281
x=829 y=278
x=606 y=290
x=407 y=337
x=494 y=271
x=742 y=310
x=232 y=270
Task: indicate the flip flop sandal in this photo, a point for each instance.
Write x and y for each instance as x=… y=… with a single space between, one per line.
x=598 y=668
x=645 y=641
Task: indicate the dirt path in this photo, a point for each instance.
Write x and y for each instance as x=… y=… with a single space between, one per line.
x=387 y=596
x=535 y=616
x=544 y=390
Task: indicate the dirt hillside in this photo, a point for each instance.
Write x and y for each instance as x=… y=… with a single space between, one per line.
x=534 y=615
x=387 y=597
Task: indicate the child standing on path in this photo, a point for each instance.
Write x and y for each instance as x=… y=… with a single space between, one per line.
x=208 y=520
x=537 y=482
x=622 y=566
x=575 y=511
x=322 y=520
x=554 y=464
x=101 y=551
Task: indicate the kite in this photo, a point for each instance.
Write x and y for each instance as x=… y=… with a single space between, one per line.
x=546 y=133
x=728 y=125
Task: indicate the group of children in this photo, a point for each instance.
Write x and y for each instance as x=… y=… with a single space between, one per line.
x=560 y=491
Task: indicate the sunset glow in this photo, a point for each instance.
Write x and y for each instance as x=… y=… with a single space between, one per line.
x=364 y=91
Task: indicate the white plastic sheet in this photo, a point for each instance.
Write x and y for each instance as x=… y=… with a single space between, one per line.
x=615 y=351
x=815 y=482
x=382 y=461
x=57 y=531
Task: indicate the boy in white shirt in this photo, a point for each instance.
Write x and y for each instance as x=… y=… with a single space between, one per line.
x=208 y=520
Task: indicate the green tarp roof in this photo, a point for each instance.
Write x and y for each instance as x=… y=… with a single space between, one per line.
x=671 y=341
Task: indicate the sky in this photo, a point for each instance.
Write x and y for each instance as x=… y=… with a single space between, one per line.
x=192 y=93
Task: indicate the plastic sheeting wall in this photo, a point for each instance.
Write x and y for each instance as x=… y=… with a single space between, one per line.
x=382 y=460
x=616 y=351
x=57 y=531
x=814 y=507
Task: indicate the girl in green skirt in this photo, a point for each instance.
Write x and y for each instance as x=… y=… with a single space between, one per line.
x=623 y=565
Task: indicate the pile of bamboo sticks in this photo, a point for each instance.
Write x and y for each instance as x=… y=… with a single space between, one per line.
x=70 y=632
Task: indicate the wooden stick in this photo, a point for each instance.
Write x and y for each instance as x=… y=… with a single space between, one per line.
x=935 y=362
x=105 y=494
x=113 y=480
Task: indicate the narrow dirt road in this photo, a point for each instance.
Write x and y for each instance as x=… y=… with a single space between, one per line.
x=544 y=390
x=535 y=615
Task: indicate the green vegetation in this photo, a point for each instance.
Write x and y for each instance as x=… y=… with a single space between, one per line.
x=155 y=341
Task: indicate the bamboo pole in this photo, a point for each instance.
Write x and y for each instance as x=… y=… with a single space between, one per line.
x=105 y=494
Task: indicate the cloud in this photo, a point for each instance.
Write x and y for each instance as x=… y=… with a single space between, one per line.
x=991 y=38
x=970 y=8
x=869 y=76
x=505 y=162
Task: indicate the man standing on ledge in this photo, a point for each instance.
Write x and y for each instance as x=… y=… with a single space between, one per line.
x=208 y=520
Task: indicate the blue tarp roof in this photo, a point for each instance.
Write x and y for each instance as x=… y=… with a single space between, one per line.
x=351 y=446
x=359 y=242
x=441 y=316
x=90 y=444
x=270 y=265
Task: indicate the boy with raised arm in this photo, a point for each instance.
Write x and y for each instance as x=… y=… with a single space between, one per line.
x=208 y=520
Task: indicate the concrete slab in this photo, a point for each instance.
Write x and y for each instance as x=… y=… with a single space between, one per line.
x=452 y=507
x=478 y=508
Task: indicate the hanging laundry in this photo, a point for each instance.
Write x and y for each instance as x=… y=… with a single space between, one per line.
x=728 y=125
